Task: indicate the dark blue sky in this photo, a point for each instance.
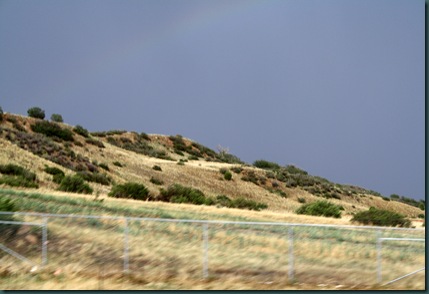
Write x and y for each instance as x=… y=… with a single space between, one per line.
x=335 y=87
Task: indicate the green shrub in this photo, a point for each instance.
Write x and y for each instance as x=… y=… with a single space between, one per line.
x=94 y=142
x=8 y=230
x=301 y=200
x=223 y=200
x=236 y=169
x=227 y=175
x=58 y=175
x=52 y=130
x=55 y=117
x=117 y=163
x=95 y=177
x=81 y=131
x=58 y=178
x=380 y=217
x=75 y=184
x=130 y=190
x=247 y=204
x=156 y=181
x=177 y=193
x=18 y=181
x=36 y=112
x=1 y=114
x=53 y=170
x=16 y=170
x=320 y=208
x=157 y=167
x=104 y=166
x=223 y=170
x=266 y=164
x=421 y=215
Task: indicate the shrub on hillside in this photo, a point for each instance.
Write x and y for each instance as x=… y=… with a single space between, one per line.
x=1 y=114
x=320 y=208
x=117 y=163
x=244 y=203
x=266 y=164
x=95 y=142
x=380 y=217
x=104 y=166
x=81 y=131
x=16 y=170
x=36 y=112
x=180 y=194
x=75 y=184
x=227 y=175
x=18 y=181
x=130 y=190
x=51 y=129
x=156 y=181
x=7 y=230
x=95 y=177
x=55 y=117
x=57 y=174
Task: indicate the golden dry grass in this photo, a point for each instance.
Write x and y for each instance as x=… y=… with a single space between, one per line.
x=85 y=255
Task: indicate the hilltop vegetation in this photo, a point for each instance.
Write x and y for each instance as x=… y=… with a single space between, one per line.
x=52 y=155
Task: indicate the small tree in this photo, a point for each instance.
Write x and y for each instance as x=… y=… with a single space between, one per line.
x=36 y=112
x=57 y=118
x=1 y=114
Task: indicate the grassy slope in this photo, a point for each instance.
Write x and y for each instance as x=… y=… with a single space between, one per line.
x=200 y=174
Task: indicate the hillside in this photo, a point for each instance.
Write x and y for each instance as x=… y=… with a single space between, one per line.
x=160 y=161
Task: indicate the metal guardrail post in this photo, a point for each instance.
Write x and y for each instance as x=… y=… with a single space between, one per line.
x=291 y=255
x=205 y=250
x=45 y=241
x=126 y=245
x=379 y=248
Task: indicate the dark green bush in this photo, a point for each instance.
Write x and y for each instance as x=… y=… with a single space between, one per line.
x=157 y=167
x=250 y=176
x=1 y=114
x=36 y=112
x=247 y=204
x=8 y=230
x=16 y=170
x=266 y=164
x=95 y=142
x=57 y=174
x=223 y=200
x=51 y=129
x=117 y=163
x=381 y=217
x=236 y=169
x=75 y=184
x=320 y=208
x=177 y=193
x=18 y=181
x=227 y=175
x=55 y=117
x=130 y=190
x=81 y=131
x=301 y=200
x=104 y=166
x=53 y=170
x=95 y=177
x=156 y=181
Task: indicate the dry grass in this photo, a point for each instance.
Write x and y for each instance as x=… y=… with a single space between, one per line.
x=87 y=255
